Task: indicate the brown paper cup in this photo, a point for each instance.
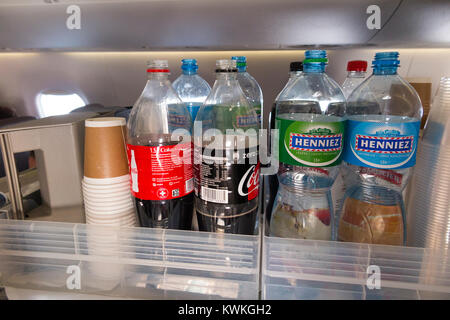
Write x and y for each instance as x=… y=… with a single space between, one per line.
x=104 y=149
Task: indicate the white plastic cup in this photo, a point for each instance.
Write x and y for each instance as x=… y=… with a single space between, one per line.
x=123 y=222
x=108 y=203
x=109 y=216
x=109 y=212
x=107 y=191
x=106 y=186
x=107 y=197
x=107 y=181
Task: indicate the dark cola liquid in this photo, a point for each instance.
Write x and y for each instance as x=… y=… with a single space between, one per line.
x=273 y=185
x=212 y=217
x=166 y=214
x=272 y=180
x=226 y=198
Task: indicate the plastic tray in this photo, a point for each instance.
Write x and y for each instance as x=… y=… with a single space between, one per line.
x=74 y=260
x=308 y=269
x=136 y=263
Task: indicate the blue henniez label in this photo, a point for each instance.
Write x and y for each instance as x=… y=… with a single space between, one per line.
x=381 y=145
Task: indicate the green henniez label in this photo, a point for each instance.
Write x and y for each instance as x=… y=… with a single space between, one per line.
x=310 y=144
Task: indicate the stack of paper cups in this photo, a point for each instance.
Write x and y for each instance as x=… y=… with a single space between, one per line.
x=106 y=190
x=107 y=197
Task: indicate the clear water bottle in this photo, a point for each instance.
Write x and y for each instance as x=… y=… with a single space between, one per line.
x=191 y=88
x=249 y=85
x=356 y=75
x=383 y=122
x=271 y=186
x=226 y=164
x=160 y=158
x=310 y=119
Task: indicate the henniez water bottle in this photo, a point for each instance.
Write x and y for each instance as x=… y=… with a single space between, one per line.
x=383 y=122
x=310 y=119
x=159 y=147
x=226 y=163
x=271 y=187
x=356 y=75
x=191 y=88
x=249 y=85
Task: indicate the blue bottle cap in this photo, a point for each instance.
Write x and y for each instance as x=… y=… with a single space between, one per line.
x=241 y=62
x=315 y=54
x=386 y=59
x=315 y=61
x=189 y=66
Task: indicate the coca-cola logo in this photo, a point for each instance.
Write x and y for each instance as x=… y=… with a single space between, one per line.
x=250 y=180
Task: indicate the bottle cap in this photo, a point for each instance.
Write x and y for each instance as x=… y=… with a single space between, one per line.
x=225 y=65
x=189 y=65
x=241 y=61
x=315 y=56
x=296 y=66
x=315 y=61
x=357 y=65
x=158 y=66
x=386 y=59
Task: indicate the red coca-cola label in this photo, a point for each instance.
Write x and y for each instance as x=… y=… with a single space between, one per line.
x=161 y=172
x=249 y=184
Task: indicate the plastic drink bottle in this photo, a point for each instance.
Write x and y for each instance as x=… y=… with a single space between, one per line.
x=310 y=119
x=249 y=85
x=383 y=126
x=159 y=147
x=271 y=188
x=356 y=75
x=226 y=163
x=191 y=88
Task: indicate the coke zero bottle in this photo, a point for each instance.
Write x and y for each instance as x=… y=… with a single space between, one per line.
x=226 y=166
x=159 y=148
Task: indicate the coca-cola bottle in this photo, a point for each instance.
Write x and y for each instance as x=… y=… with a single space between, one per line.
x=226 y=165
x=159 y=148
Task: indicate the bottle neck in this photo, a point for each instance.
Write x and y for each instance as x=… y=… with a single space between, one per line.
x=356 y=74
x=293 y=74
x=189 y=72
x=385 y=71
x=314 y=68
x=159 y=76
x=226 y=76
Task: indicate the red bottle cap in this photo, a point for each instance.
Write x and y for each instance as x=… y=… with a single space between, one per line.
x=357 y=65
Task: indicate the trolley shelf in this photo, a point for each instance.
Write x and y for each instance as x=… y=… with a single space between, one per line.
x=143 y=263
